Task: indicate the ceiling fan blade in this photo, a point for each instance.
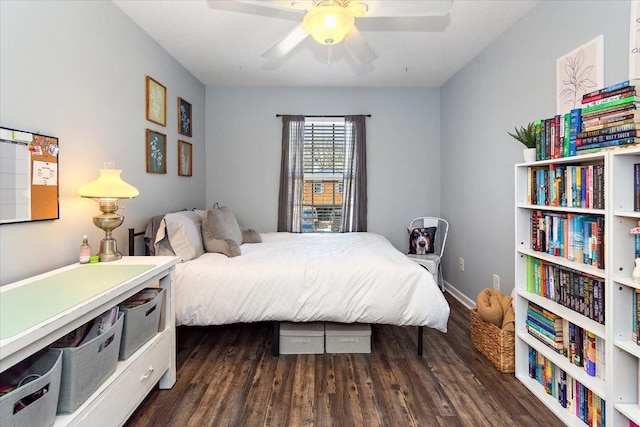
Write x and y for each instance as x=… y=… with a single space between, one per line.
x=287 y=43
x=259 y=8
x=425 y=24
x=405 y=8
x=358 y=48
x=284 y=4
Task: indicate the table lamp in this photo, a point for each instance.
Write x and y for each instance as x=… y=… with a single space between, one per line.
x=106 y=190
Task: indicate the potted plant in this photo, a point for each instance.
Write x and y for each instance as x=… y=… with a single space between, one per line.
x=527 y=136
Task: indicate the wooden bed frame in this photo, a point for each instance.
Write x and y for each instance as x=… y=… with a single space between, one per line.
x=276 y=324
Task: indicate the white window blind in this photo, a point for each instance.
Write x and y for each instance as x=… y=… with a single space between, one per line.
x=323 y=167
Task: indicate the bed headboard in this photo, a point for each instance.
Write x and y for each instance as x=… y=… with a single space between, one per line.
x=132 y=242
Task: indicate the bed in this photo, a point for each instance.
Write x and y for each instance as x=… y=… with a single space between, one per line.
x=296 y=277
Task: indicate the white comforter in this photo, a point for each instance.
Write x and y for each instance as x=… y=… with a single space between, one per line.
x=347 y=277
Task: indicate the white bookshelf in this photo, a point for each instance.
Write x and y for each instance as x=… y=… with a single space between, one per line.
x=599 y=385
x=623 y=351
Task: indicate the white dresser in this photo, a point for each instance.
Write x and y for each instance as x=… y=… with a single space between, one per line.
x=37 y=311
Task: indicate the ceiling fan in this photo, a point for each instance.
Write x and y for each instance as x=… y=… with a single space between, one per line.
x=330 y=22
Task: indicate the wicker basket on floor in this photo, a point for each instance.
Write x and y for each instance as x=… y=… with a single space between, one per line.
x=495 y=344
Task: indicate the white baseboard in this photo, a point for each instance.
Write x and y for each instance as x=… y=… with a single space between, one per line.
x=462 y=298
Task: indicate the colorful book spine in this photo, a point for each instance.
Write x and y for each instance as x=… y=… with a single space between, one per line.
x=613 y=87
x=628 y=90
x=614 y=103
x=636 y=187
x=605 y=144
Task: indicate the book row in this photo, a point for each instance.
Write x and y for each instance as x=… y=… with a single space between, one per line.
x=574 y=186
x=582 y=347
x=635 y=316
x=636 y=187
x=569 y=392
x=606 y=119
x=578 y=238
x=575 y=290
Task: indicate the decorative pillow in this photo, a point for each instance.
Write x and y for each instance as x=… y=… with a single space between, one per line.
x=228 y=247
x=422 y=240
x=220 y=224
x=183 y=231
x=250 y=235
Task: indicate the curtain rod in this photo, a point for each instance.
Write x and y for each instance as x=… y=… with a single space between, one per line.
x=328 y=116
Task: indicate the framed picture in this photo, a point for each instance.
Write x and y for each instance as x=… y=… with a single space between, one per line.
x=184 y=117
x=185 y=158
x=156 y=102
x=156 y=152
x=578 y=72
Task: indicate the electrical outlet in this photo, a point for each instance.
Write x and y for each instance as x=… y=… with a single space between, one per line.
x=496 y=281
x=461 y=264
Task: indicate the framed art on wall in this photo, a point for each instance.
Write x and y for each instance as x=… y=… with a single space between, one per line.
x=156 y=102
x=578 y=72
x=156 y=144
x=185 y=158
x=184 y=117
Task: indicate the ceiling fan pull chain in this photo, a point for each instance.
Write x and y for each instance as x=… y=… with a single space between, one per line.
x=329 y=54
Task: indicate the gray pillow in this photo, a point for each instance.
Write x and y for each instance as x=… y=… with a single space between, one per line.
x=250 y=235
x=227 y=247
x=218 y=226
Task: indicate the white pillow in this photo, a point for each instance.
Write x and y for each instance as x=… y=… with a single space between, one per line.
x=185 y=237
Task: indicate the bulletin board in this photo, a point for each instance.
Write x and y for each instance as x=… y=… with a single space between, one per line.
x=29 y=176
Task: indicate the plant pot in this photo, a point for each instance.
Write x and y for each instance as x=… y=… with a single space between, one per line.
x=529 y=155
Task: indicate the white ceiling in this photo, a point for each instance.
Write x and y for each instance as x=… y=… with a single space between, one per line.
x=222 y=48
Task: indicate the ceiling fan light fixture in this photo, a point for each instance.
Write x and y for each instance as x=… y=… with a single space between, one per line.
x=329 y=24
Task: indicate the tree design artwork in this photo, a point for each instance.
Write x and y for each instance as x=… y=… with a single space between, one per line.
x=157 y=158
x=157 y=101
x=578 y=78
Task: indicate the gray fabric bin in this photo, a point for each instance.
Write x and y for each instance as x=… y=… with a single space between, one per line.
x=141 y=323
x=85 y=367
x=35 y=401
x=301 y=338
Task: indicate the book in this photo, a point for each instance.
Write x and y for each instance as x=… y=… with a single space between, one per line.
x=554 y=345
x=605 y=144
x=610 y=121
x=551 y=331
x=608 y=98
x=613 y=87
x=609 y=104
x=590 y=353
x=609 y=130
x=624 y=108
x=636 y=189
x=607 y=137
x=628 y=90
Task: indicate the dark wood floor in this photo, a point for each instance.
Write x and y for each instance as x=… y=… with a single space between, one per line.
x=227 y=377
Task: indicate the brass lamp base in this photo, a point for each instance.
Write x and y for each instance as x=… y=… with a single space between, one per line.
x=109 y=250
x=109 y=220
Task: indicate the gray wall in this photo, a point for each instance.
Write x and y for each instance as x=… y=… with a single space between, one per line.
x=511 y=83
x=403 y=150
x=76 y=70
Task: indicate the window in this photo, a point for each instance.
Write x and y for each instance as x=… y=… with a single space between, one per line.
x=323 y=173
x=318 y=187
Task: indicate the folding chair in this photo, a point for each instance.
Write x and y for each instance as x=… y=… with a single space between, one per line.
x=431 y=261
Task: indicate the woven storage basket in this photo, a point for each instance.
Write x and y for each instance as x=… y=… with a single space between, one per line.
x=495 y=344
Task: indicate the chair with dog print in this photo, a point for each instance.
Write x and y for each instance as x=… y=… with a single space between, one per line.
x=427 y=238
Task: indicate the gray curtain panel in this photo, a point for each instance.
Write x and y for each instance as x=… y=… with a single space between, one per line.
x=354 y=197
x=291 y=174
